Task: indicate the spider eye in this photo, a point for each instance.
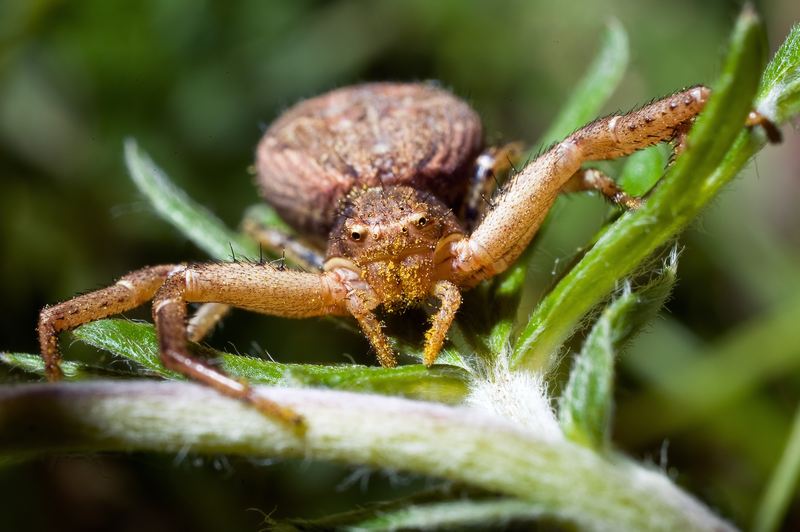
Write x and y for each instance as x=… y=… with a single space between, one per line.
x=421 y=221
x=355 y=235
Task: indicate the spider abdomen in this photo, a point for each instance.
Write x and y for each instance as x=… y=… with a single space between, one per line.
x=368 y=135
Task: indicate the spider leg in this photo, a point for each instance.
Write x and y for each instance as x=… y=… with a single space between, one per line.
x=256 y=287
x=450 y=298
x=361 y=304
x=587 y=179
x=130 y=291
x=276 y=243
x=204 y=319
x=757 y=119
x=489 y=166
x=525 y=200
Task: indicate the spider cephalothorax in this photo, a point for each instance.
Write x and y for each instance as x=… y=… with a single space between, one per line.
x=391 y=179
x=390 y=237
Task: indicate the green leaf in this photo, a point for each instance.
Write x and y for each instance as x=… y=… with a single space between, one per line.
x=135 y=341
x=779 y=96
x=364 y=514
x=585 y=406
x=174 y=206
x=138 y=342
x=35 y=364
x=689 y=185
x=782 y=485
x=596 y=86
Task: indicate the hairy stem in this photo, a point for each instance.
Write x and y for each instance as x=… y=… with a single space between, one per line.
x=459 y=444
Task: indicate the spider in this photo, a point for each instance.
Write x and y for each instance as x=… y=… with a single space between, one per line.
x=392 y=179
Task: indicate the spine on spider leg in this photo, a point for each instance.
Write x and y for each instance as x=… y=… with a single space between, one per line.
x=619 y=135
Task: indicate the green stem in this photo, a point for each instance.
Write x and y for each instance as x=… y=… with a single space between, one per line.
x=459 y=444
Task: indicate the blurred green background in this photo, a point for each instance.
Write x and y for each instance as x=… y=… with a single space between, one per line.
x=709 y=392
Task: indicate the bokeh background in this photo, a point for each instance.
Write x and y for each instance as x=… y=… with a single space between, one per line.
x=709 y=392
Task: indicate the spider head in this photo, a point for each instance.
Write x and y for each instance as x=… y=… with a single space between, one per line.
x=390 y=236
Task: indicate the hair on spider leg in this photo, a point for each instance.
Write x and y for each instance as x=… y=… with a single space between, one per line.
x=279 y=263
x=541 y=150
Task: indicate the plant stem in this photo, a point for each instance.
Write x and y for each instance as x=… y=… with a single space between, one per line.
x=459 y=444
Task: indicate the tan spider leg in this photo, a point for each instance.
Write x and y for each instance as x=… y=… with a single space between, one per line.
x=205 y=318
x=757 y=119
x=592 y=179
x=521 y=208
x=450 y=297
x=588 y=179
x=129 y=292
x=256 y=287
x=276 y=243
x=361 y=306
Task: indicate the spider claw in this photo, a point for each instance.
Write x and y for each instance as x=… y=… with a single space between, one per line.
x=774 y=134
x=277 y=412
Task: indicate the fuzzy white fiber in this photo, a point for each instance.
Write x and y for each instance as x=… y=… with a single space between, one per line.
x=520 y=397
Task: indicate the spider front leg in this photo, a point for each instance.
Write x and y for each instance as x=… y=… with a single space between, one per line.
x=587 y=179
x=449 y=300
x=525 y=200
x=276 y=243
x=255 y=287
